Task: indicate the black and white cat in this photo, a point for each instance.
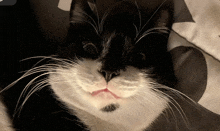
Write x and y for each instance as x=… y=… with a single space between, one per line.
x=114 y=73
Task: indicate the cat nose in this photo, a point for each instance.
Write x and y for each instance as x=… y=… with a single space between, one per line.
x=108 y=75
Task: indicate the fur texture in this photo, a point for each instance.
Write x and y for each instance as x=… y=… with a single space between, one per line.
x=137 y=98
x=113 y=73
x=109 y=55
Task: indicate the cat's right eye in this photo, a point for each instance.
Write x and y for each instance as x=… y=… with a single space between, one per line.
x=90 y=47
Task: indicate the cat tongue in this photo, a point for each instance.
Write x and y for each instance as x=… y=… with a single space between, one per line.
x=104 y=91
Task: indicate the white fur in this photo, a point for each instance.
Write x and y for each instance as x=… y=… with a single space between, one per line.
x=139 y=106
x=5 y=123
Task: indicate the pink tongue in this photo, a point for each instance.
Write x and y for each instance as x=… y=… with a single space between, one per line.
x=104 y=90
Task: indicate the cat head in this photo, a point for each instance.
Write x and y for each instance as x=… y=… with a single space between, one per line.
x=126 y=32
x=114 y=54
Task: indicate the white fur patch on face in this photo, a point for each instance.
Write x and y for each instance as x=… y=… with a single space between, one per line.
x=135 y=107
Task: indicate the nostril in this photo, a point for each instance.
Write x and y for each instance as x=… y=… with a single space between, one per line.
x=114 y=74
x=103 y=73
x=108 y=75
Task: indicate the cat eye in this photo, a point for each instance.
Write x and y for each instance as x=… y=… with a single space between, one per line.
x=90 y=47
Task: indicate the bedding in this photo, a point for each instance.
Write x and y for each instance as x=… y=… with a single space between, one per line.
x=202 y=35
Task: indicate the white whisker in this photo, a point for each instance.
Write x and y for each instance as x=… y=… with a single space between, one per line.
x=43 y=68
x=38 y=69
x=145 y=35
x=39 y=87
x=27 y=86
x=136 y=29
x=176 y=105
x=94 y=27
x=97 y=14
x=140 y=18
x=102 y=21
x=178 y=93
x=37 y=57
x=152 y=16
x=149 y=31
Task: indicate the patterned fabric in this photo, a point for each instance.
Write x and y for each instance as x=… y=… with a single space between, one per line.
x=195 y=45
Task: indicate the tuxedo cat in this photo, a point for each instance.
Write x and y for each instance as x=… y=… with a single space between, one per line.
x=113 y=73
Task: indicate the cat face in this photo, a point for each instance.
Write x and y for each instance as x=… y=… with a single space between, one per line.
x=114 y=61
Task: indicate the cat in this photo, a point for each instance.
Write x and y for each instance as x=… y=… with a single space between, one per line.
x=113 y=73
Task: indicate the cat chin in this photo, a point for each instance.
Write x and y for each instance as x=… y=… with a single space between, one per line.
x=134 y=113
x=136 y=105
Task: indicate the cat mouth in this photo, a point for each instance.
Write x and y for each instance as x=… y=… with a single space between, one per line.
x=105 y=94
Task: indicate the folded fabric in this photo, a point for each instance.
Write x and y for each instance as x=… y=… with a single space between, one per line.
x=197 y=31
x=204 y=32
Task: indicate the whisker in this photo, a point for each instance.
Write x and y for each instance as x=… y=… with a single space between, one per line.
x=43 y=58
x=95 y=28
x=97 y=14
x=149 y=31
x=145 y=35
x=94 y=24
x=136 y=29
x=176 y=105
x=176 y=92
x=170 y=109
x=139 y=14
x=103 y=20
x=37 y=87
x=43 y=68
x=143 y=98
x=152 y=16
x=27 y=86
x=37 y=57
x=18 y=110
x=52 y=57
x=77 y=122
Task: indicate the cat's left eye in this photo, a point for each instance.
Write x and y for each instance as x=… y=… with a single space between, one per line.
x=90 y=47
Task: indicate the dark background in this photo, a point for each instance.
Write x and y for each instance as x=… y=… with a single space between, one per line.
x=35 y=27
x=29 y=28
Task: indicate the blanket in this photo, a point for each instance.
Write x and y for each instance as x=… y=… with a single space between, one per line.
x=200 y=40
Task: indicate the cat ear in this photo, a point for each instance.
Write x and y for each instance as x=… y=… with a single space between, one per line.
x=82 y=11
x=93 y=7
x=164 y=17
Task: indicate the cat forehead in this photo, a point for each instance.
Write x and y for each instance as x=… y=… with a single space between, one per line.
x=116 y=42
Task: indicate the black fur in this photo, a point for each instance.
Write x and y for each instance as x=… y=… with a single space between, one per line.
x=120 y=26
x=117 y=28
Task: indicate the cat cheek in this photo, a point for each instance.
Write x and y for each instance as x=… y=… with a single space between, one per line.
x=120 y=90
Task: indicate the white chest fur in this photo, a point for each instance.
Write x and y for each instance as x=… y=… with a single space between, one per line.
x=138 y=105
x=131 y=117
